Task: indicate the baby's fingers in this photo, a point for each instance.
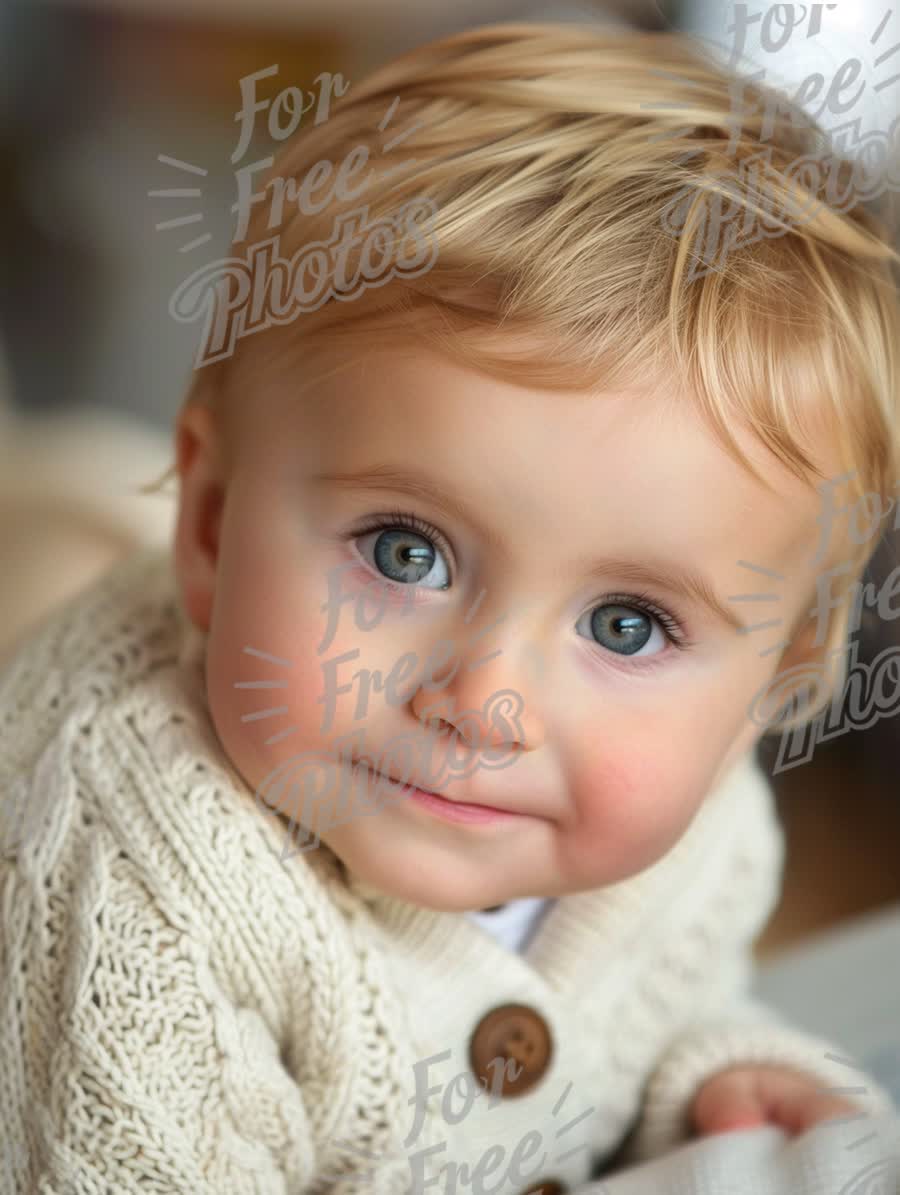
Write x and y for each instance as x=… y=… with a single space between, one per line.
x=726 y=1102
x=745 y=1097
x=796 y=1103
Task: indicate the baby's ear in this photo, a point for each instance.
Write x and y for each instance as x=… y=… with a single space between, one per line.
x=802 y=648
x=810 y=657
x=201 y=496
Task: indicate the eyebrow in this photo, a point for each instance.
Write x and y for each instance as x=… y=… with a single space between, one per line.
x=679 y=578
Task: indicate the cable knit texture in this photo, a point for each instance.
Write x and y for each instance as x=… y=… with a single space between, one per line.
x=183 y=1010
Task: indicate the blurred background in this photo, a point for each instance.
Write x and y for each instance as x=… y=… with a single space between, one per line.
x=102 y=106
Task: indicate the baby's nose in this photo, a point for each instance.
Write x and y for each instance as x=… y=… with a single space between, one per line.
x=484 y=710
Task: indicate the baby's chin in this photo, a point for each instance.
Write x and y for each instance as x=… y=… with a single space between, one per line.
x=444 y=889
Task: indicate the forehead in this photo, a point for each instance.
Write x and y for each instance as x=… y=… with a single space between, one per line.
x=589 y=469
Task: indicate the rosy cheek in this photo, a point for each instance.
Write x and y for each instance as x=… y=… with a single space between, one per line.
x=263 y=685
x=603 y=788
x=337 y=691
x=630 y=808
x=311 y=656
x=325 y=694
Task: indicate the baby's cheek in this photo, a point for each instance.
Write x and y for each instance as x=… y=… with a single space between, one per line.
x=324 y=697
x=633 y=805
x=263 y=700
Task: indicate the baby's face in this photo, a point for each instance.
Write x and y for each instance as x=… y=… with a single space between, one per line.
x=531 y=566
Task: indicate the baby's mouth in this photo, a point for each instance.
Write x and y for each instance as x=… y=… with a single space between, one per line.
x=410 y=788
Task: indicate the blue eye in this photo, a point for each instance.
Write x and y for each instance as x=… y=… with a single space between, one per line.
x=405 y=556
x=624 y=629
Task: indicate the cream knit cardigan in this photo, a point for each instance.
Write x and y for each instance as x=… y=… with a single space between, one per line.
x=183 y=1011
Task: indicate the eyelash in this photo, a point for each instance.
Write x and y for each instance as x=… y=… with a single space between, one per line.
x=672 y=628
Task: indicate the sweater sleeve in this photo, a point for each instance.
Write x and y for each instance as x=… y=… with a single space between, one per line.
x=740 y=1031
x=123 y=1066
x=705 y=976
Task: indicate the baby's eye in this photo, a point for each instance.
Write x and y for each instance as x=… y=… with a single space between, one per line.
x=623 y=629
x=405 y=557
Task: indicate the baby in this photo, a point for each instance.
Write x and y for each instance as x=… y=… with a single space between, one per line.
x=401 y=829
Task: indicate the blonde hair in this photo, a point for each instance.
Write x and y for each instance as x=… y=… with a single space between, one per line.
x=556 y=156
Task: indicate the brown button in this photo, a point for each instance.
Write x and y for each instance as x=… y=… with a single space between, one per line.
x=550 y=1187
x=510 y=1049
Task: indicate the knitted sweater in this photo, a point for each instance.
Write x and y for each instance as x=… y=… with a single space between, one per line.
x=183 y=1010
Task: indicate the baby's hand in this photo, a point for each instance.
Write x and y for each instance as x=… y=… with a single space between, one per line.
x=746 y=1096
